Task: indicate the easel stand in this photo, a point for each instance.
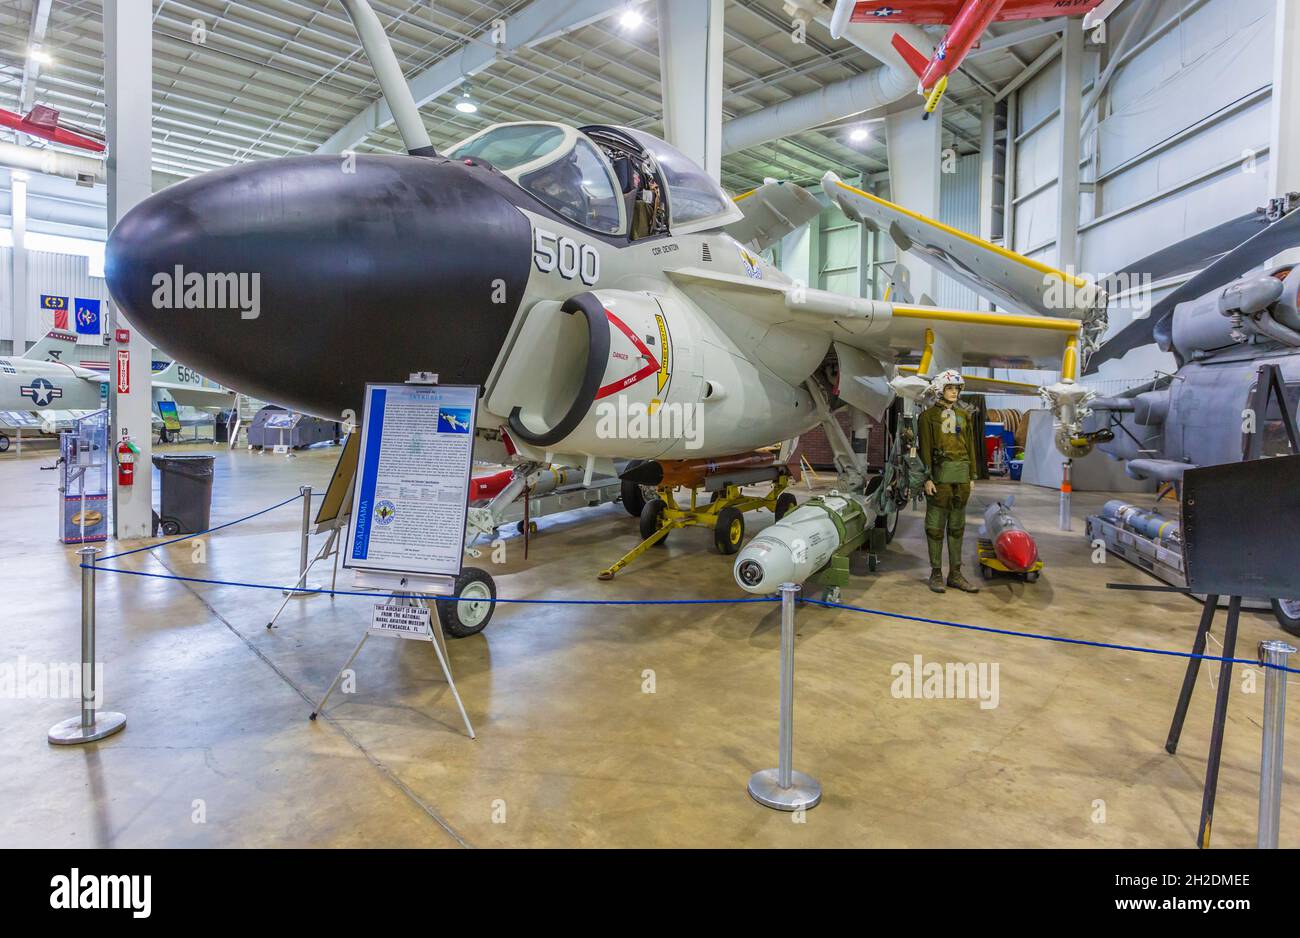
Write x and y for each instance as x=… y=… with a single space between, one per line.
x=1220 y=703
x=435 y=637
x=331 y=546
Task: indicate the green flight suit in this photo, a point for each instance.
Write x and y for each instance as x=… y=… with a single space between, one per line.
x=946 y=447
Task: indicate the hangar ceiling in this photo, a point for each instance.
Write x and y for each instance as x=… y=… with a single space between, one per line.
x=238 y=81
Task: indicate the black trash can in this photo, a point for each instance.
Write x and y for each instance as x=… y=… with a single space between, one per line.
x=185 y=497
x=221 y=427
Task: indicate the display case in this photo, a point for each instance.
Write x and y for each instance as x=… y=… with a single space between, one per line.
x=83 y=480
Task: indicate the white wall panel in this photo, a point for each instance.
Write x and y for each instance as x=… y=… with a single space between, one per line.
x=1239 y=64
x=59 y=274
x=959 y=206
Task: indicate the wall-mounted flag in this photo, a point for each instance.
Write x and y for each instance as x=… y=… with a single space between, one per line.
x=87 y=312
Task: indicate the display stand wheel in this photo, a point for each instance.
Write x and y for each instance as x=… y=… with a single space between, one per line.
x=785 y=503
x=729 y=530
x=532 y=527
x=652 y=519
x=471 y=609
x=986 y=571
x=1031 y=576
x=1288 y=614
x=170 y=527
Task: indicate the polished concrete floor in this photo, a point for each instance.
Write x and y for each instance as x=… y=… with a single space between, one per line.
x=572 y=749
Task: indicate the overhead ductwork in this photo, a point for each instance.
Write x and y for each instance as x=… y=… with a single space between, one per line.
x=881 y=86
x=84 y=170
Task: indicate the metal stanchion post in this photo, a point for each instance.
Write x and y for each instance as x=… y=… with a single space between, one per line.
x=89 y=726
x=1066 y=489
x=303 y=543
x=783 y=788
x=1274 y=654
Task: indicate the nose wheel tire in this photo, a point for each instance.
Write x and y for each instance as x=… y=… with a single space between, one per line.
x=632 y=494
x=1288 y=615
x=4 y=443
x=471 y=610
x=889 y=522
x=652 y=519
x=729 y=530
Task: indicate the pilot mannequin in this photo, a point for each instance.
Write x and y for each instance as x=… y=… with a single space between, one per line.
x=947 y=450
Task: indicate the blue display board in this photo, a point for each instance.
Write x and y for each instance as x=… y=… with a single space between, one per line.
x=413 y=473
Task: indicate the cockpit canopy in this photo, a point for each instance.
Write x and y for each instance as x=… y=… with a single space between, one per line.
x=605 y=178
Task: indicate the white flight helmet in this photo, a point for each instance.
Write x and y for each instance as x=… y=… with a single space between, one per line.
x=945 y=378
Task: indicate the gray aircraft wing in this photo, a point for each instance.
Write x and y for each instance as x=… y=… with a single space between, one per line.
x=772 y=211
x=1010 y=280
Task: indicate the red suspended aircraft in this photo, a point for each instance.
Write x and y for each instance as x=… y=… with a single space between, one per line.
x=966 y=19
x=43 y=122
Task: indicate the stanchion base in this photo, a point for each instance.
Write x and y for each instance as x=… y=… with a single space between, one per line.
x=302 y=592
x=804 y=791
x=70 y=732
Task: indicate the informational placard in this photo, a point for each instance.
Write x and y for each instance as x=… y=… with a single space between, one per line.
x=412 y=490
x=170 y=415
x=401 y=620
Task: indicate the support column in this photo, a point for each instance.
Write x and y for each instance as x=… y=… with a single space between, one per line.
x=866 y=249
x=988 y=175
x=128 y=102
x=690 y=69
x=18 y=283
x=988 y=164
x=1067 y=188
x=1284 y=129
x=914 y=147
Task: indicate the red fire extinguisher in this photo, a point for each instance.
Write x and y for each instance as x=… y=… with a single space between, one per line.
x=126 y=453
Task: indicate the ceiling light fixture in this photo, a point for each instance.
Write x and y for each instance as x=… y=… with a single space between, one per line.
x=630 y=19
x=466 y=104
x=37 y=54
x=859 y=134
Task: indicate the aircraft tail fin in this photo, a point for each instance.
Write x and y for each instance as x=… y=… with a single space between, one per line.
x=913 y=56
x=55 y=345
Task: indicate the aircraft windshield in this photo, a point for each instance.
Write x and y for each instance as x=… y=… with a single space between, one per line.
x=511 y=145
x=556 y=164
x=693 y=196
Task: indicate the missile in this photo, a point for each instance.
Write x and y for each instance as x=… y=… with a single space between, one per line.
x=802 y=543
x=1013 y=545
x=482 y=488
x=541 y=482
x=1150 y=524
x=747 y=468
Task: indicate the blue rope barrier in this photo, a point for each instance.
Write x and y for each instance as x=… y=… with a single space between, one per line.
x=190 y=537
x=1142 y=649
x=370 y=595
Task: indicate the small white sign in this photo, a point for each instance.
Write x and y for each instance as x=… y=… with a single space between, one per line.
x=402 y=621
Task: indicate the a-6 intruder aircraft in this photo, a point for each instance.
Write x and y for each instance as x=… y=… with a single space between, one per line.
x=602 y=289
x=589 y=279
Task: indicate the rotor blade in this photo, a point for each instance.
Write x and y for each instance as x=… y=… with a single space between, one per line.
x=1251 y=253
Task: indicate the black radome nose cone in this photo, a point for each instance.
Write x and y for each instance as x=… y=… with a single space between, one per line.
x=298 y=280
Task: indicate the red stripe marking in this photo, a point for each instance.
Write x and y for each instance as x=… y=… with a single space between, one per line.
x=649 y=369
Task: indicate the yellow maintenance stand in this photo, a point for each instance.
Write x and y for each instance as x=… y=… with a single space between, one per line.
x=725 y=514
